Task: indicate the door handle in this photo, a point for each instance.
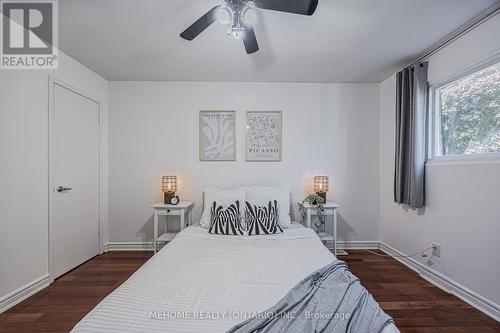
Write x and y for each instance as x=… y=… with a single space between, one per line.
x=63 y=189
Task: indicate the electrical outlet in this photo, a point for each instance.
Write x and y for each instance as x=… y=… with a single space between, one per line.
x=436 y=250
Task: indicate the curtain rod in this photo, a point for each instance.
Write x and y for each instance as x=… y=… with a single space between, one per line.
x=448 y=39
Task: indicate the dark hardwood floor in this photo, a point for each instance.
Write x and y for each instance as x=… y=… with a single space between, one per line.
x=65 y=302
x=415 y=304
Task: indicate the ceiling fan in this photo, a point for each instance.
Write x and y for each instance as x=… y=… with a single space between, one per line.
x=239 y=15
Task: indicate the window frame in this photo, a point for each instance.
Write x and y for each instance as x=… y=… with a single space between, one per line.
x=434 y=122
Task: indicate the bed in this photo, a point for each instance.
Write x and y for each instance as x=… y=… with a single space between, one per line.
x=201 y=282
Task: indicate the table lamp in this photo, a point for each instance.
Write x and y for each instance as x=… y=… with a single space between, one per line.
x=168 y=186
x=321 y=186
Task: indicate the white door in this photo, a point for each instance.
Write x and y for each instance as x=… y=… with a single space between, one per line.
x=75 y=180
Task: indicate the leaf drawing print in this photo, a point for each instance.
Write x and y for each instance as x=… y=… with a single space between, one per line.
x=217 y=137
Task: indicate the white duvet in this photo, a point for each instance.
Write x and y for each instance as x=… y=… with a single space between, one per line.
x=208 y=283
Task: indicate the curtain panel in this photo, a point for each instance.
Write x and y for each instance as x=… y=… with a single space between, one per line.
x=411 y=113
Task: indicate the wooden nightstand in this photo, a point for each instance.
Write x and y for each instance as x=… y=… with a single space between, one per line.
x=330 y=209
x=184 y=210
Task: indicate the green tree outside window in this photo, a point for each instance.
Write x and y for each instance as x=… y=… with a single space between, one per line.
x=470 y=113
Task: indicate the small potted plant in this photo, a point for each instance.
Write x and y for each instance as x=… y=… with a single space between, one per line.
x=317 y=202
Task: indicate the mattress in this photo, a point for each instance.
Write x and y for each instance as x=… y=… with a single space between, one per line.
x=201 y=282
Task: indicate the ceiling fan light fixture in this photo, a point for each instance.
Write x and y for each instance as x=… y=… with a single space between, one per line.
x=239 y=16
x=238 y=33
x=225 y=15
x=248 y=15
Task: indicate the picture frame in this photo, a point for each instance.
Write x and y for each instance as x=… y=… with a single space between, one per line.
x=264 y=136
x=217 y=135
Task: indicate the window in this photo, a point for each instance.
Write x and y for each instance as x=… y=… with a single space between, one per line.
x=468 y=114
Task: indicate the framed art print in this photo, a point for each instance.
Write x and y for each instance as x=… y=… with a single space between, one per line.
x=264 y=136
x=217 y=136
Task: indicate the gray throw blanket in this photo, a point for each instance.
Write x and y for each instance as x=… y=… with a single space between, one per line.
x=329 y=300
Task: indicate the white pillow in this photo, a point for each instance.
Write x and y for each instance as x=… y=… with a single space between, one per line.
x=261 y=195
x=223 y=197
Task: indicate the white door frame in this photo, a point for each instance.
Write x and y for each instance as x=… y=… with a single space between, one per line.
x=53 y=81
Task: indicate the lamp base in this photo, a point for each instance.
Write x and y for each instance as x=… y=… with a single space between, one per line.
x=167 y=196
x=322 y=195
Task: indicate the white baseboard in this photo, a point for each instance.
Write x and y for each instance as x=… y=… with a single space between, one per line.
x=148 y=246
x=19 y=295
x=358 y=245
x=443 y=282
x=128 y=246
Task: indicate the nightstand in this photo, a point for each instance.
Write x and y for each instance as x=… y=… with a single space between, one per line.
x=330 y=209
x=183 y=210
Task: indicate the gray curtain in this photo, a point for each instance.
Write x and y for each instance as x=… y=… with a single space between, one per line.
x=411 y=111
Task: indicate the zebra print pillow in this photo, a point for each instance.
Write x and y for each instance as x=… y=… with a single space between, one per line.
x=262 y=219
x=225 y=221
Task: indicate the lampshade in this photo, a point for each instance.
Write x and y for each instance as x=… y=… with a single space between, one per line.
x=169 y=184
x=320 y=184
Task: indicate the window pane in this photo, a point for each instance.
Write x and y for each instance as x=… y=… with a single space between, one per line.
x=470 y=113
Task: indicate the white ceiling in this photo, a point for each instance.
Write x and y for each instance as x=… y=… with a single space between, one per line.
x=344 y=41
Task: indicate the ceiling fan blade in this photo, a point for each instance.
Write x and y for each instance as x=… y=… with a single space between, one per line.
x=201 y=24
x=250 y=41
x=304 y=7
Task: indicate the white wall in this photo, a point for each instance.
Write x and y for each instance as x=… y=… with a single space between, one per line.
x=462 y=211
x=24 y=167
x=327 y=129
